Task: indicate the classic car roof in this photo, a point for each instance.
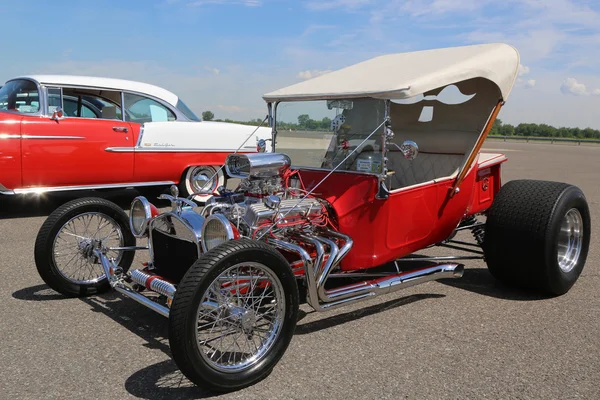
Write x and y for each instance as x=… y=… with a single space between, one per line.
x=105 y=83
x=403 y=75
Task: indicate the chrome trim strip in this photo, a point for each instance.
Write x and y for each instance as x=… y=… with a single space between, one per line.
x=171 y=150
x=86 y=187
x=5 y=190
x=53 y=137
x=9 y=136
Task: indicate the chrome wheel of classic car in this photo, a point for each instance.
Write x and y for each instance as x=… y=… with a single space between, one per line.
x=537 y=235
x=201 y=179
x=64 y=248
x=75 y=242
x=240 y=317
x=233 y=315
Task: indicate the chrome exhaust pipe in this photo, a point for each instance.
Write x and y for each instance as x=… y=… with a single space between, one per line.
x=389 y=284
x=321 y=299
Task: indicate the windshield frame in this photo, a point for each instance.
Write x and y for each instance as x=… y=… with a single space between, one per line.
x=275 y=123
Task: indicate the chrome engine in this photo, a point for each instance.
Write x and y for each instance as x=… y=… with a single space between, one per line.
x=263 y=196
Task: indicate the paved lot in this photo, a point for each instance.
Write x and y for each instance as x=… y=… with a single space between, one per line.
x=470 y=338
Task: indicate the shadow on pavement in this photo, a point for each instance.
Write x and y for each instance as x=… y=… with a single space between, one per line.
x=163 y=380
x=329 y=322
x=480 y=281
x=31 y=205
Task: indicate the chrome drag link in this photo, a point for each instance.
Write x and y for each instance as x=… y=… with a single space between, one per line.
x=115 y=278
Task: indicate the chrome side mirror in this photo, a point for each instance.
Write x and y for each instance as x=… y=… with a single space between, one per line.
x=409 y=149
x=58 y=114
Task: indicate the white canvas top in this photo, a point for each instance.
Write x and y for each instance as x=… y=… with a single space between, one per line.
x=105 y=83
x=403 y=75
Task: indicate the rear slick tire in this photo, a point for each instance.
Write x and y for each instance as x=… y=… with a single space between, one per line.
x=537 y=235
x=233 y=315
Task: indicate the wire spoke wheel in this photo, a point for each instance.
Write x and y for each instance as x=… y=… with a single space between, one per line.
x=240 y=317
x=233 y=315
x=75 y=242
x=570 y=240
x=65 y=246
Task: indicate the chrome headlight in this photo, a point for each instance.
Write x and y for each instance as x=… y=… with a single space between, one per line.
x=216 y=230
x=139 y=216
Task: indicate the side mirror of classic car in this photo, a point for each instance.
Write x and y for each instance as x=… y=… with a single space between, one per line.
x=409 y=149
x=58 y=114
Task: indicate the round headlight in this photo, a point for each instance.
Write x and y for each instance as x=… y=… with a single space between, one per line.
x=139 y=216
x=216 y=230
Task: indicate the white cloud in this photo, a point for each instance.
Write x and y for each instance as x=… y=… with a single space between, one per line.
x=523 y=70
x=530 y=83
x=309 y=74
x=231 y=109
x=213 y=70
x=573 y=87
x=330 y=4
x=247 y=3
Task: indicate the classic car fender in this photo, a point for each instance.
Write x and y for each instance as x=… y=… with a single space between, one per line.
x=10 y=152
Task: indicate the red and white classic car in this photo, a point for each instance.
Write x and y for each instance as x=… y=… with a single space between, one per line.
x=401 y=171
x=77 y=132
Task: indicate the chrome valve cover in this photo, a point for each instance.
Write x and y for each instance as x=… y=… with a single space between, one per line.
x=258 y=213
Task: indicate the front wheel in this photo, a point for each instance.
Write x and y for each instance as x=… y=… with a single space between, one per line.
x=65 y=243
x=201 y=178
x=537 y=235
x=233 y=315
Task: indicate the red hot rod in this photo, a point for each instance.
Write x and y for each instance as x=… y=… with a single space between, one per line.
x=399 y=171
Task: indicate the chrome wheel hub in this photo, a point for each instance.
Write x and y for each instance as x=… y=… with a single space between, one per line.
x=201 y=180
x=75 y=242
x=240 y=317
x=570 y=240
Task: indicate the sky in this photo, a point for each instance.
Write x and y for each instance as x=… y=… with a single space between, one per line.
x=223 y=55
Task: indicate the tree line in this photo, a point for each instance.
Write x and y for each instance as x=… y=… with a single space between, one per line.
x=499 y=128
x=542 y=130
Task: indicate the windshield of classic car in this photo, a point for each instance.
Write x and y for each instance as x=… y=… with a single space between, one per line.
x=321 y=134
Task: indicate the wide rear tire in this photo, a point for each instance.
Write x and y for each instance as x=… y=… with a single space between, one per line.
x=537 y=235
x=233 y=315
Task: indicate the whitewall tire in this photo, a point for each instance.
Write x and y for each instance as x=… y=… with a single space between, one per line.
x=197 y=177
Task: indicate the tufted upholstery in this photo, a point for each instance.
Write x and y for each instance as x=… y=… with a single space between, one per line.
x=424 y=168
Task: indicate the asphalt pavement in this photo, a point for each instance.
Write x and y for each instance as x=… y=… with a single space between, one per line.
x=460 y=339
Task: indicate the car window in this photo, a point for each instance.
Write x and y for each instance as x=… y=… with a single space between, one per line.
x=88 y=103
x=186 y=111
x=142 y=109
x=21 y=96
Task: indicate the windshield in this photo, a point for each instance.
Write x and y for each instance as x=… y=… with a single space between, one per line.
x=186 y=111
x=20 y=96
x=320 y=134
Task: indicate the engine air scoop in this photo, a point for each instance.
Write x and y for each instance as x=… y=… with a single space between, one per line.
x=257 y=166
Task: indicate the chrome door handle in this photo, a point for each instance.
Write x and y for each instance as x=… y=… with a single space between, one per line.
x=120 y=129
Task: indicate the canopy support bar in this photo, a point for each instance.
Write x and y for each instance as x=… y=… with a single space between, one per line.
x=476 y=149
